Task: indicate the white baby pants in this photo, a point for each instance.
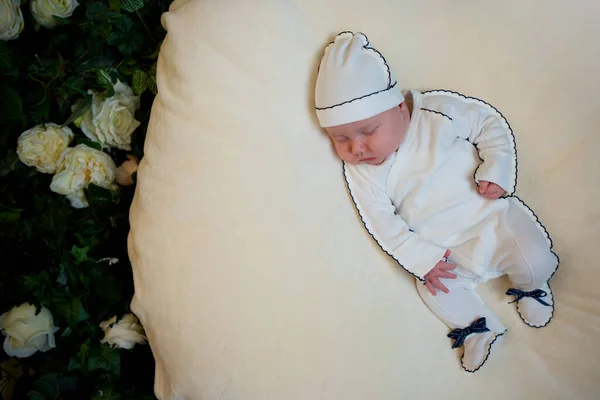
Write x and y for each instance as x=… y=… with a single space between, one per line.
x=524 y=255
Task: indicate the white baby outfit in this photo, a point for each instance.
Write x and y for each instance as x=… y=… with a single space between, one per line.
x=423 y=199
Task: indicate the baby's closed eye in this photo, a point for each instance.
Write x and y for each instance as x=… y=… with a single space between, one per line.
x=340 y=138
x=370 y=131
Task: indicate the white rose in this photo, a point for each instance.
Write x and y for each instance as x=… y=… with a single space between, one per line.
x=11 y=19
x=124 y=174
x=78 y=167
x=125 y=333
x=27 y=332
x=111 y=121
x=43 y=11
x=41 y=147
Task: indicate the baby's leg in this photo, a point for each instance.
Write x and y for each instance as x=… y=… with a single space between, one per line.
x=529 y=264
x=460 y=309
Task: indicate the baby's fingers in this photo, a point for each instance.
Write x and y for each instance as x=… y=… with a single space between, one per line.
x=447 y=266
x=492 y=195
x=447 y=275
x=430 y=288
x=483 y=186
x=439 y=285
x=499 y=193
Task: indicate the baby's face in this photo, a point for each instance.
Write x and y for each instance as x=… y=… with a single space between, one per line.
x=371 y=140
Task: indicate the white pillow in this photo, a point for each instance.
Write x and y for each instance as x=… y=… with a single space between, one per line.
x=254 y=277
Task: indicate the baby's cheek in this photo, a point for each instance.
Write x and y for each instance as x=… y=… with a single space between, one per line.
x=341 y=150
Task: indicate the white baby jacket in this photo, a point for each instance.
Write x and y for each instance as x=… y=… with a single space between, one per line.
x=423 y=198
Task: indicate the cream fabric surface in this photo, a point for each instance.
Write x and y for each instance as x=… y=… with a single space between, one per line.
x=254 y=277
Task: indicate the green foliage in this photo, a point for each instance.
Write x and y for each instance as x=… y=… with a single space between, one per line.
x=52 y=253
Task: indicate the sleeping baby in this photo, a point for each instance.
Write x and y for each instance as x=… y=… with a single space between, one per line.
x=432 y=176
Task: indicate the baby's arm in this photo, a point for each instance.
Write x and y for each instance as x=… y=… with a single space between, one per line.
x=484 y=127
x=415 y=254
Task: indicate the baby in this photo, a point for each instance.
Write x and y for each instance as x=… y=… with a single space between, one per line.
x=432 y=176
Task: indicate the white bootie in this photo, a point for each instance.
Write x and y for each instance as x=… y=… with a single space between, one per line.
x=477 y=340
x=536 y=308
x=477 y=350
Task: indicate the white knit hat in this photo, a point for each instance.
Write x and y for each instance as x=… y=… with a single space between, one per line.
x=354 y=82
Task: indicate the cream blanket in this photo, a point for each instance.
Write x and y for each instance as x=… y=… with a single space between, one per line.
x=254 y=277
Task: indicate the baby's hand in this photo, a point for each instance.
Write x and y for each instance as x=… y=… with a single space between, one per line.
x=490 y=190
x=432 y=279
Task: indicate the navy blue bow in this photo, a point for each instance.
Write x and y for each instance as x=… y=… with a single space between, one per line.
x=536 y=294
x=459 y=335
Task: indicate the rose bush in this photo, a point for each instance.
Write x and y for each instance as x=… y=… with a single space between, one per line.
x=74 y=103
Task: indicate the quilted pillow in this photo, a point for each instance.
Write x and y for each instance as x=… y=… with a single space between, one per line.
x=254 y=277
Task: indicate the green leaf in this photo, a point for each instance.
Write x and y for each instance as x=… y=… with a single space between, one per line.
x=72 y=311
x=47 y=387
x=132 y=5
x=98 y=196
x=103 y=78
x=6 y=57
x=78 y=361
x=74 y=364
x=12 y=108
x=153 y=68
x=10 y=162
x=98 y=11
x=67 y=384
x=66 y=332
x=62 y=21
x=97 y=62
x=33 y=395
x=84 y=351
x=89 y=143
x=105 y=358
x=75 y=85
x=62 y=276
x=114 y=5
x=80 y=254
x=107 y=393
x=126 y=25
x=81 y=107
x=139 y=82
x=9 y=217
x=152 y=85
x=36 y=284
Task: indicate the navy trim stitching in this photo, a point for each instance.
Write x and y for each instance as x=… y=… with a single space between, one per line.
x=358 y=98
x=537 y=219
x=514 y=188
x=366 y=47
x=436 y=112
x=486 y=357
x=367 y=229
x=513 y=195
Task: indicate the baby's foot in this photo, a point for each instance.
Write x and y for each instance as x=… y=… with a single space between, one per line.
x=536 y=308
x=477 y=350
x=478 y=340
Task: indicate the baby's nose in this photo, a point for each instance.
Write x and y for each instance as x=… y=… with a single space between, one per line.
x=358 y=146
